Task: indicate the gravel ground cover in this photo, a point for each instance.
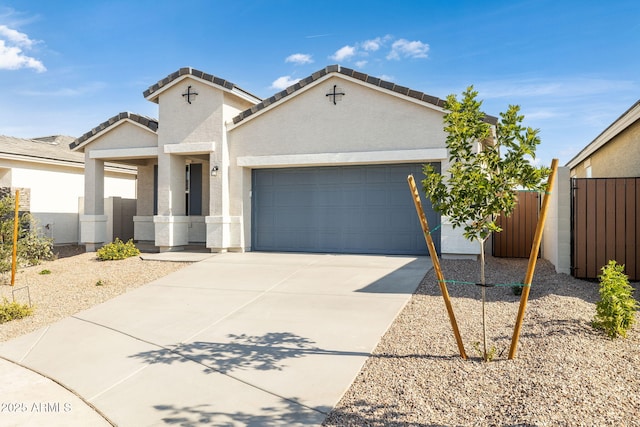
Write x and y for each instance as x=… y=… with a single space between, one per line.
x=564 y=374
x=76 y=281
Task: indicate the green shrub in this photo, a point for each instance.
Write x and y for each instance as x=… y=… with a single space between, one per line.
x=117 y=250
x=615 y=311
x=32 y=247
x=13 y=310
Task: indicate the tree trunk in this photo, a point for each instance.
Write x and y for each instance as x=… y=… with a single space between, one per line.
x=484 y=298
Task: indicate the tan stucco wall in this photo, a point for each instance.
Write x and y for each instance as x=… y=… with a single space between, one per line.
x=125 y=135
x=364 y=120
x=619 y=158
x=200 y=121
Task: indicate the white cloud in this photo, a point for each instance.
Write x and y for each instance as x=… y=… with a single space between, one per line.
x=15 y=37
x=361 y=64
x=387 y=77
x=344 y=53
x=408 y=49
x=299 y=58
x=12 y=56
x=283 y=82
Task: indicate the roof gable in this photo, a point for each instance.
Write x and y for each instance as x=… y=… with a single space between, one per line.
x=147 y=122
x=154 y=91
x=628 y=118
x=348 y=72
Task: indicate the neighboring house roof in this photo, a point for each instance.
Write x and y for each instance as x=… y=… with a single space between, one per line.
x=337 y=69
x=43 y=150
x=153 y=92
x=628 y=118
x=52 y=150
x=148 y=122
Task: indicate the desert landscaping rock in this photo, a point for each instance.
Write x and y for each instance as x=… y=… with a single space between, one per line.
x=76 y=281
x=564 y=374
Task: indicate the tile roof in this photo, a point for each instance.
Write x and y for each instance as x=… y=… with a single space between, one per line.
x=374 y=81
x=49 y=149
x=39 y=149
x=196 y=73
x=143 y=120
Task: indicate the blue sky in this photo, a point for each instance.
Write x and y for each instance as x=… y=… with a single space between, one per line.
x=572 y=66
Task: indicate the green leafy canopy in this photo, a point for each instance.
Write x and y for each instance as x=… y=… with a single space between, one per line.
x=485 y=168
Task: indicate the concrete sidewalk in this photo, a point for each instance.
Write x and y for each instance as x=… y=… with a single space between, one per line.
x=235 y=339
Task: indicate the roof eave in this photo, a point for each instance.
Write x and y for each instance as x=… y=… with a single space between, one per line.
x=153 y=92
x=620 y=124
x=146 y=123
x=348 y=74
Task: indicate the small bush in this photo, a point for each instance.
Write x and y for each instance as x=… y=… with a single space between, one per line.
x=117 y=250
x=45 y=271
x=13 y=310
x=32 y=247
x=615 y=311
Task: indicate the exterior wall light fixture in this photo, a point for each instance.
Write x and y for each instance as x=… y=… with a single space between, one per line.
x=214 y=170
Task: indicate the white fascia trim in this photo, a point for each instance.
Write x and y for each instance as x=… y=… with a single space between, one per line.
x=608 y=134
x=335 y=159
x=109 y=129
x=189 y=148
x=124 y=153
x=230 y=125
x=42 y=160
x=393 y=93
x=239 y=93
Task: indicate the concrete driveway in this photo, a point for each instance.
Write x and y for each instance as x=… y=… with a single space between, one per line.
x=236 y=339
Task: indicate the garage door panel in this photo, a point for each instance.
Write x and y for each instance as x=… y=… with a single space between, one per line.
x=351 y=209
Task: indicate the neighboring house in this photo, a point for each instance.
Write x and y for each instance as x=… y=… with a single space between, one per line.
x=318 y=167
x=53 y=177
x=615 y=153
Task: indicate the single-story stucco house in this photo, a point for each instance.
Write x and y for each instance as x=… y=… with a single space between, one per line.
x=318 y=167
x=615 y=153
x=51 y=179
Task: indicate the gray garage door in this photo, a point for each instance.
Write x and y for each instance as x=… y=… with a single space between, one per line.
x=345 y=209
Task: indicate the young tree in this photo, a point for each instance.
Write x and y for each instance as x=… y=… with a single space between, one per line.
x=485 y=172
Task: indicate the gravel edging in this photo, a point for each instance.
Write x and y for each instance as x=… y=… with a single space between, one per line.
x=73 y=285
x=565 y=373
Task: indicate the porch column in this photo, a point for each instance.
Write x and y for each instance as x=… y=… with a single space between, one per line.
x=171 y=222
x=143 y=228
x=93 y=223
x=224 y=230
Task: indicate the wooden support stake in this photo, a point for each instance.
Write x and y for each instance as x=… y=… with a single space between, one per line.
x=14 y=256
x=436 y=263
x=533 y=256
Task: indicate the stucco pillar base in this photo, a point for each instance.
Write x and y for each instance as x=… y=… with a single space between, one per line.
x=171 y=232
x=143 y=229
x=93 y=231
x=224 y=233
